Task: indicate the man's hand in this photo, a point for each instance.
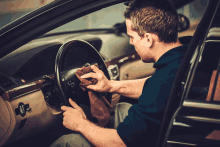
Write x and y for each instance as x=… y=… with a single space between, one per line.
x=103 y=84
x=75 y=119
x=72 y=117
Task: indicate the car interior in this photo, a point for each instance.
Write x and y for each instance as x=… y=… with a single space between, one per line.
x=30 y=105
x=30 y=97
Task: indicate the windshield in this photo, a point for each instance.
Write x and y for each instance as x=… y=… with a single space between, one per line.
x=11 y=10
x=104 y=18
x=113 y=15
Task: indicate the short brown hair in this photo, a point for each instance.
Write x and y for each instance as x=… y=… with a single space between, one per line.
x=158 y=17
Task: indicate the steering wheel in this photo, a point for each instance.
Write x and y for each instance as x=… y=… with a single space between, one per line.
x=71 y=56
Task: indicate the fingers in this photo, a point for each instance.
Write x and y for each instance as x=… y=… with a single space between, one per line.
x=75 y=109
x=89 y=75
x=84 y=115
x=94 y=68
x=64 y=113
x=64 y=108
x=73 y=104
x=92 y=87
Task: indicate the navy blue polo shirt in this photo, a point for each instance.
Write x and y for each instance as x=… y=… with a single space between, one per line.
x=141 y=126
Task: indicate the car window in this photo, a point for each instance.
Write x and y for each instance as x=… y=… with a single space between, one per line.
x=11 y=10
x=194 y=12
x=206 y=81
x=205 y=73
x=104 y=18
x=9 y=17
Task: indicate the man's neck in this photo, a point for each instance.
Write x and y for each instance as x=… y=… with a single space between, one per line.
x=161 y=48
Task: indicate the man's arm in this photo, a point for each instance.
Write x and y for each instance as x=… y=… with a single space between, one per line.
x=128 y=88
x=100 y=137
x=74 y=119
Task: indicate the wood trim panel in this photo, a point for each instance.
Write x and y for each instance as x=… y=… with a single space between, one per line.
x=22 y=90
x=28 y=88
x=123 y=59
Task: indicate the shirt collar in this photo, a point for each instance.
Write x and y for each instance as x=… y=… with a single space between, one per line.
x=171 y=55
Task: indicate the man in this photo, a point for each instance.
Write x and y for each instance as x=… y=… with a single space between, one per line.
x=152 y=27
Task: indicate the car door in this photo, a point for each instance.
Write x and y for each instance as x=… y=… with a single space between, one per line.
x=195 y=106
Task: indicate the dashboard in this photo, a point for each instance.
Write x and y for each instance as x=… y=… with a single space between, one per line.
x=29 y=102
x=37 y=58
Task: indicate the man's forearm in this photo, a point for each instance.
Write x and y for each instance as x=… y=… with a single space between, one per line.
x=100 y=137
x=128 y=88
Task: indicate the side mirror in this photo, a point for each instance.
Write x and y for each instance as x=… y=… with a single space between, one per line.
x=184 y=23
x=120 y=28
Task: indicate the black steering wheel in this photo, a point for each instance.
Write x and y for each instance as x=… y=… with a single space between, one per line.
x=71 y=56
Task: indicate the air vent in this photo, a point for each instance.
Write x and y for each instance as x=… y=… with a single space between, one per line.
x=6 y=82
x=113 y=71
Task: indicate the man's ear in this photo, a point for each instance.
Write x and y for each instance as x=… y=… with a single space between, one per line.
x=149 y=39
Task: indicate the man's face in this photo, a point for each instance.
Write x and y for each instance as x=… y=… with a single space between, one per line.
x=138 y=42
